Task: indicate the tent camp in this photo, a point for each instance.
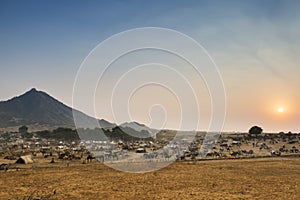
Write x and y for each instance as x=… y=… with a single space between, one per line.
x=25 y=160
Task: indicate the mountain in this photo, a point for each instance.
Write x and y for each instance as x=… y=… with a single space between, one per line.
x=138 y=130
x=106 y=124
x=37 y=107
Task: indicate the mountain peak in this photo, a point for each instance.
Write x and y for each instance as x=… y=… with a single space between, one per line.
x=32 y=94
x=32 y=90
x=34 y=107
x=38 y=107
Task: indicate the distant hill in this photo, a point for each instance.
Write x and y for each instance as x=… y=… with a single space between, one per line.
x=37 y=107
x=136 y=129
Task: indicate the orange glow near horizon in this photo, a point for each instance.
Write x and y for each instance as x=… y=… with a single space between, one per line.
x=278 y=113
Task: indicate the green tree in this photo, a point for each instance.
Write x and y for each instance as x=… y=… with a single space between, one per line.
x=23 y=129
x=256 y=130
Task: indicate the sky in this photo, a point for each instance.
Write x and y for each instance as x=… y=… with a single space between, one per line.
x=255 y=45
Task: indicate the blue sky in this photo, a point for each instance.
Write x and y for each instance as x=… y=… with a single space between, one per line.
x=256 y=45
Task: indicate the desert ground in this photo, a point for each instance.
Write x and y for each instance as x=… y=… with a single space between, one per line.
x=258 y=178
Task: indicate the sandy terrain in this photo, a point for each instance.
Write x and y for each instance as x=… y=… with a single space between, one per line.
x=265 y=178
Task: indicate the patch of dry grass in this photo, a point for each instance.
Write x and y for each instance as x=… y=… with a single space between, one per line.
x=272 y=178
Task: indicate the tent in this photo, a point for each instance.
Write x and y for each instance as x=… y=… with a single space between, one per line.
x=25 y=160
x=140 y=150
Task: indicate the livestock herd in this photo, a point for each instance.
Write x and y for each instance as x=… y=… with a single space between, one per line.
x=226 y=146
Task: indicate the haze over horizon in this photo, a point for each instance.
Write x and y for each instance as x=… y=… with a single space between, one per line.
x=255 y=44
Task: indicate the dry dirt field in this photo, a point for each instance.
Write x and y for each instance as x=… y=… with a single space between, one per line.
x=266 y=178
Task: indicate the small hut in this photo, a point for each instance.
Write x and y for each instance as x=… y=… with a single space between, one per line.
x=24 y=160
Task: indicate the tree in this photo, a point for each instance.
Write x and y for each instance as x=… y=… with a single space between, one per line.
x=24 y=132
x=23 y=129
x=255 y=130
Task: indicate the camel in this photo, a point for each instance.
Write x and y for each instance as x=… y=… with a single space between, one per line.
x=4 y=167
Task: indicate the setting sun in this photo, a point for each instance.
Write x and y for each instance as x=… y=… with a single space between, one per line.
x=280 y=110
